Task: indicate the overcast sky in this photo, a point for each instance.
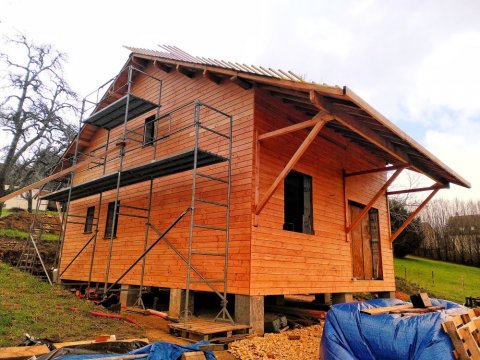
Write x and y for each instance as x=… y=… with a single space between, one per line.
x=417 y=62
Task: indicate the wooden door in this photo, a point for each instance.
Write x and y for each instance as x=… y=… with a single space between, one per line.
x=361 y=246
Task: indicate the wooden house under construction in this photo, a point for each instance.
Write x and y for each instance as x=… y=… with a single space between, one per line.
x=196 y=175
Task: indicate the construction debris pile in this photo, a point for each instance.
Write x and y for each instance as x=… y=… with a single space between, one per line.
x=300 y=344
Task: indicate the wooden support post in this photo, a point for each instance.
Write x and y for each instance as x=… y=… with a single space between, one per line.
x=292 y=162
x=380 y=192
x=412 y=215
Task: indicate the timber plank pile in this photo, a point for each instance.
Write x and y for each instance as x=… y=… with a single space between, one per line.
x=403 y=310
x=299 y=344
x=464 y=332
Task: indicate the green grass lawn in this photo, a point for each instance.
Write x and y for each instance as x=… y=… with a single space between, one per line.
x=28 y=305
x=20 y=234
x=450 y=281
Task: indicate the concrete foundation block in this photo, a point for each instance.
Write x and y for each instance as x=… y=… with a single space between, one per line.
x=339 y=298
x=176 y=306
x=250 y=310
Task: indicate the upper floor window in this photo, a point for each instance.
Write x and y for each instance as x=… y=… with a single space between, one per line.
x=149 y=134
x=89 y=220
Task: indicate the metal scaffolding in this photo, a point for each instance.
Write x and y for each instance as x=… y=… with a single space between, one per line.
x=207 y=148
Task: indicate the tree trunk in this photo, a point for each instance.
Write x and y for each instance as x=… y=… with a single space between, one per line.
x=30 y=201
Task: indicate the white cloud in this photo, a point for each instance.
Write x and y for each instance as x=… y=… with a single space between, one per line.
x=415 y=61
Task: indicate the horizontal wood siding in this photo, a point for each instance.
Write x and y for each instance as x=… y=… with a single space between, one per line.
x=285 y=262
x=172 y=194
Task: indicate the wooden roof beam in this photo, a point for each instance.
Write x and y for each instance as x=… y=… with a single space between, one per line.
x=295 y=127
x=291 y=163
x=212 y=77
x=428 y=188
x=380 y=192
x=415 y=213
x=370 y=171
x=241 y=82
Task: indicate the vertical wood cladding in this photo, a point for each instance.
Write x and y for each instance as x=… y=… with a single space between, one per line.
x=262 y=260
x=286 y=262
x=172 y=194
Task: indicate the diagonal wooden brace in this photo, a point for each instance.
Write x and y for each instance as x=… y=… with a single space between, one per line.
x=415 y=213
x=380 y=192
x=293 y=161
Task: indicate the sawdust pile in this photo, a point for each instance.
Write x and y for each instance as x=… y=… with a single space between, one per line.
x=300 y=344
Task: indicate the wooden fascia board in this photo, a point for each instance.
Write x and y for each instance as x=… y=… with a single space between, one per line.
x=415 y=213
x=291 y=163
x=352 y=96
x=295 y=127
x=377 y=196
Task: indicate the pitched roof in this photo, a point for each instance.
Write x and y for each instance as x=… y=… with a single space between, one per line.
x=355 y=119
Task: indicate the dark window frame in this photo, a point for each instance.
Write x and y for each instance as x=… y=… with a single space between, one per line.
x=149 y=131
x=298 y=203
x=88 y=227
x=109 y=226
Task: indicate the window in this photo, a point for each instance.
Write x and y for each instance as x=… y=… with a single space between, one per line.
x=298 y=208
x=149 y=134
x=110 y=227
x=89 y=220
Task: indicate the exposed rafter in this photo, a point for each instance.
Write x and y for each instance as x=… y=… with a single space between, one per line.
x=241 y=82
x=185 y=71
x=212 y=77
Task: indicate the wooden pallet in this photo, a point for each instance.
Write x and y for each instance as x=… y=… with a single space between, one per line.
x=200 y=329
x=464 y=332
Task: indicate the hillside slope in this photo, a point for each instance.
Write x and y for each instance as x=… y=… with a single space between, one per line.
x=28 y=305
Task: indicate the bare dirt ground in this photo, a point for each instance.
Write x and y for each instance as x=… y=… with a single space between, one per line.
x=301 y=344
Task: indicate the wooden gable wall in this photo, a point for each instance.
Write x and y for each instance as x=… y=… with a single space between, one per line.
x=172 y=194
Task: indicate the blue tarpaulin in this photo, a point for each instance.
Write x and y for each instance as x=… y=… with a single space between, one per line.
x=350 y=334
x=155 y=351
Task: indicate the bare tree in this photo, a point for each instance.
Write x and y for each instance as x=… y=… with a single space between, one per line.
x=35 y=100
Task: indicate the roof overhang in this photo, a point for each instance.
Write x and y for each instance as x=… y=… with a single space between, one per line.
x=355 y=119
